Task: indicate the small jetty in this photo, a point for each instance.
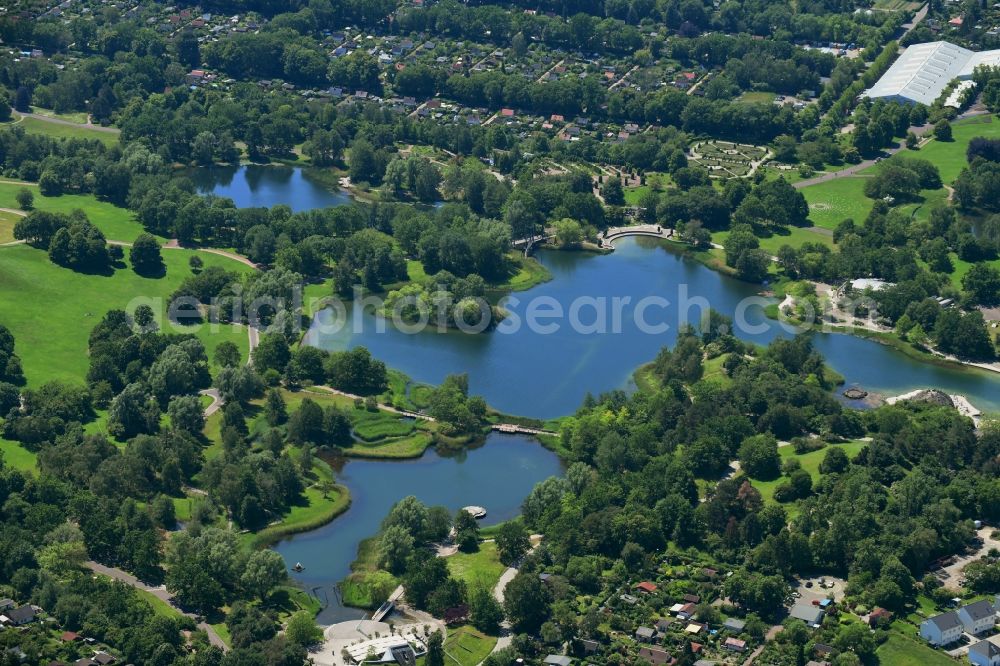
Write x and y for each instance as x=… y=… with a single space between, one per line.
x=476 y=512
x=855 y=393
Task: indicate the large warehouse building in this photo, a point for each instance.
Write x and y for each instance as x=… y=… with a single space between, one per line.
x=924 y=70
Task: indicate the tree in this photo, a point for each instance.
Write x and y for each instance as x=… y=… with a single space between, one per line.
x=485 y=611
x=186 y=414
x=25 y=199
x=302 y=630
x=395 y=547
x=759 y=457
x=834 y=461
x=133 y=411
x=435 y=650
x=466 y=531
x=227 y=354
x=613 y=193
x=569 y=233
x=512 y=542
x=526 y=602
x=264 y=571
x=274 y=409
x=195 y=263
x=942 y=130
x=364 y=164
x=983 y=284
x=272 y=353
x=145 y=255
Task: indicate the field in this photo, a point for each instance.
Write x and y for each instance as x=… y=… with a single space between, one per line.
x=64 y=131
x=7 y=222
x=834 y=201
x=794 y=236
x=116 y=223
x=810 y=462
x=756 y=97
x=465 y=646
x=900 y=651
x=16 y=456
x=949 y=156
x=51 y=309
x=479 y=569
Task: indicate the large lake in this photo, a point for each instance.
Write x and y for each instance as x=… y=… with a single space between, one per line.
x=264 y=186
x=497 y=476
x=547 y=374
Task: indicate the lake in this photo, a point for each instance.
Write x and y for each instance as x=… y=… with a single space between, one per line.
x=497 y=476
x=547 y=374
x=264 y=186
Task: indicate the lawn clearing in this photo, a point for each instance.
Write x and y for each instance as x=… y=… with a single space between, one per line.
x=482 y=568
x=810 y=462
x=466 y=646
x=901 y=651
x=7 y=222
x=756 y=98
x=58 y=130
x=835 y=200
x=949 y=156
x=16 y=456
x=116 y=223
x=51 y=309
x=775 y=238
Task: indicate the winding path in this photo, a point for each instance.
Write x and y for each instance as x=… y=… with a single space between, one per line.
x=160 y=592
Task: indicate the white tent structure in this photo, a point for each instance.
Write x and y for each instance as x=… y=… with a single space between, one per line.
x=923 y=71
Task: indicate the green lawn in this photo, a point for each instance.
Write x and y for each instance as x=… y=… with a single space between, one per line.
x=7 y=222
x=962 y=267
x=159 y=606
x=900 y=651
x=810 y=462
x=949 y=156
x=323 y=501
x=116 y=223
x=465 y=646
x=51 y=309
x=756 y=97
x=16 y=456
x=772 y=240
x=482 y=568
x=63 y=131
x=836 y=200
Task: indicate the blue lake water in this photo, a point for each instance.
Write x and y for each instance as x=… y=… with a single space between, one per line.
x=547 y=374
x=497 y=476
x=264 y=186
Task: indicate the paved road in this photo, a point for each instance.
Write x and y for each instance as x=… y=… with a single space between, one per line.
x=160 y=592
x=216 y=401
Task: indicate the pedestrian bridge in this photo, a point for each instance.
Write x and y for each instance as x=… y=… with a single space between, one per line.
x=612 y=234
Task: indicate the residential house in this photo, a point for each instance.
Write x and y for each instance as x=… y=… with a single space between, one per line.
x=686 y=611
x=811 y=615
x=663 y=624
x=984 y=653
x=646 y=586
x=589 y=647
x=558 y=660
x=735 y=644
x=655 y=656
x=977 y=617
x=20 y=616
x=942 y=629
x=645 y=635
x=878 y=617
x=7 y=604
x=734 y=624
x=104 y=659
x=691 y=598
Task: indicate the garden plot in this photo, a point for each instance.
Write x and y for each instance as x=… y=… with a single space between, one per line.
x=723 y=159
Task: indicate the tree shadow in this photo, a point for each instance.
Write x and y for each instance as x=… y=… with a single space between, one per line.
x=152 y=272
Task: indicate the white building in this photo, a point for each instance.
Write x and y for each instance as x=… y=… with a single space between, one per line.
x=942 y=629
x=923 y=71
x=984 y=653
x=977 y=617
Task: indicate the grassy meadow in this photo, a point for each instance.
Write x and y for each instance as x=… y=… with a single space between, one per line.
x=51 y=309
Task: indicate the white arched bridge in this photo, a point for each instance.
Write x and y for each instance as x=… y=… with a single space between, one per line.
x=612 y=234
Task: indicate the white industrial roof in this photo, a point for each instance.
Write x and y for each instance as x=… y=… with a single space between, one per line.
x=922 y=72
x=986 y=58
